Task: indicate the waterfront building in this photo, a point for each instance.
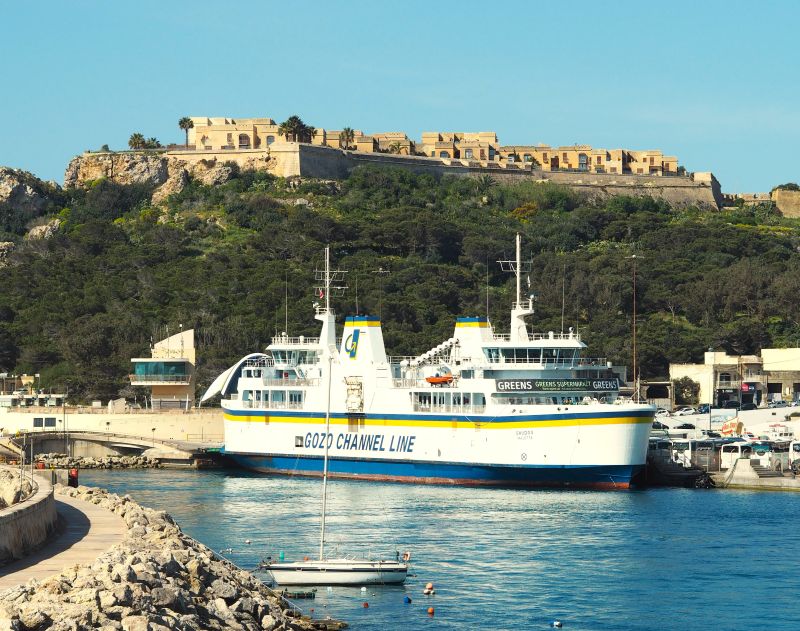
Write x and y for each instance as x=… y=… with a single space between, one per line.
x=774 y=375
x=168 y=372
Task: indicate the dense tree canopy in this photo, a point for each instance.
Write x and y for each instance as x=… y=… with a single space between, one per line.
x=76 y=307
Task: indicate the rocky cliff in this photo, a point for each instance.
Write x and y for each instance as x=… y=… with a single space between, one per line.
x=24 y=197
x=168 y=172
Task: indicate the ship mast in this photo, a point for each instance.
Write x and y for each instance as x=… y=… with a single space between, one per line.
x=520 y=309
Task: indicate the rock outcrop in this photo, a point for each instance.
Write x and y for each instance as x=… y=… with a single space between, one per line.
x=62 y=461
x=6 y=248
x=24 y=192
x=156 y=579
x=45 y=231
x=122 y=168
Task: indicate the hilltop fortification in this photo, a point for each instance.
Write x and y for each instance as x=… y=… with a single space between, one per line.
x=170 y=170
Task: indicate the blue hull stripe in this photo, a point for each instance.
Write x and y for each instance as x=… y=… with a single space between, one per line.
x=447 y=417
x=600 y=476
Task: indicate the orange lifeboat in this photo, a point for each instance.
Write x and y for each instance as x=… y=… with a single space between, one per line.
x=438 y=381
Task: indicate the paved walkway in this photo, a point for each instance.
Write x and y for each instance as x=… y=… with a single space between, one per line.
x=87 y=532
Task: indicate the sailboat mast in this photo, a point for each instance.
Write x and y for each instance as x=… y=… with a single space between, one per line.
x=327 y=410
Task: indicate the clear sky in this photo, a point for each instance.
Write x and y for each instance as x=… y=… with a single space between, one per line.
x=713 y=82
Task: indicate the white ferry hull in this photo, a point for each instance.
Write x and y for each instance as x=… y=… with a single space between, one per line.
x=602 y=448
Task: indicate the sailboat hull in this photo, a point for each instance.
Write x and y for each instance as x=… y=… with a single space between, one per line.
x=338 y=572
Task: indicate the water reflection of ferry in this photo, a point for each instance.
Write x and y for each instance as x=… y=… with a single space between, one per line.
x=481 y=408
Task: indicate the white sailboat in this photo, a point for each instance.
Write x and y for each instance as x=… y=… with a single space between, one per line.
x=341 y=571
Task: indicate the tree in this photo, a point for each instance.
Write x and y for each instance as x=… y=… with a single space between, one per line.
x=186 y=124
x=136 y=141
x=348 y=136
x=484 y=183
x=686 y=391
x=395 y=147
x=295 y=130
x=152 y=143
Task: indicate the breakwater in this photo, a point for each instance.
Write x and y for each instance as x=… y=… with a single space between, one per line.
x=27 y=514
x=156 y=578
x=63 y=461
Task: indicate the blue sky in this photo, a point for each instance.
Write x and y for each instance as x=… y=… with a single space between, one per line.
x=712 y=82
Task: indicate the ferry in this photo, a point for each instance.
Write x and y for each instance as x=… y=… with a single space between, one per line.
x=481 y=408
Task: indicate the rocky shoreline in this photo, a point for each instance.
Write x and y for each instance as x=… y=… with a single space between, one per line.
x=156 y=579
x=62 y=461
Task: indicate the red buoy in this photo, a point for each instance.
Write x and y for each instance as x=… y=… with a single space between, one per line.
x=366 y=605
x=430 y=611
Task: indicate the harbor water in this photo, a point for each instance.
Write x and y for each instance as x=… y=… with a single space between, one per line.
x=507 y=559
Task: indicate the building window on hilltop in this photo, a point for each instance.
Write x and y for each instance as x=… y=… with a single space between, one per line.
x=527 y=157
x=599 y=159
x=468 y=153
x=444 y=154
x=244 y=141
x=270 y=140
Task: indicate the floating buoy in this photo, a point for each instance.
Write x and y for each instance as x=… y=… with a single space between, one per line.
x=366 y=605
x=430 y=611
x=406 y=556
x=429 y=586
x=248 y=542
x=407 y=600
x=556 y=624
x=305 y=558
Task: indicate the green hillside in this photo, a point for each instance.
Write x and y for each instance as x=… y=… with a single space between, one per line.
x=77 y=306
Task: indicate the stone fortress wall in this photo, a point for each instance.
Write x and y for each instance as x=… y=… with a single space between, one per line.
x=171 y=170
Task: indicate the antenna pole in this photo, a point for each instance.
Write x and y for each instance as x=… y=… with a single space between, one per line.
x=327 y=279
x=286 y=300
x=519 y=268
x=563 y=294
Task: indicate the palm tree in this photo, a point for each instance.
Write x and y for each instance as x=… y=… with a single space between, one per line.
x=347 y=136
x=395 y=147
x=308 y=133
x=292 y=128
x=484 y=184
x=136 y=141
x=186 y=124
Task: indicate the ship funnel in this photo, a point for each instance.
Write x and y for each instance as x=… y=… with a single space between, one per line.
x=362 y=341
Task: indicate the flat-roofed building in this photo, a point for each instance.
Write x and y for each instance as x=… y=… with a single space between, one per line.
x=168 y=372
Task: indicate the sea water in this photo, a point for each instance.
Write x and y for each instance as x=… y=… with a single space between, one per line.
x=507 y=559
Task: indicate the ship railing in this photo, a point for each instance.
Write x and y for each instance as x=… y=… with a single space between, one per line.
x=294 y=341
x=505 y=337
x=272 y=405
x=458 y=409
x=290 y=382
x=580 y=362
x=264 y=362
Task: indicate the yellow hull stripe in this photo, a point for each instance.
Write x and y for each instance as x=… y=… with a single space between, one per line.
x=482 y=325
x=378 y=422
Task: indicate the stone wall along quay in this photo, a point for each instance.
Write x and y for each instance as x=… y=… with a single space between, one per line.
x=158 y=578
x=27 y=520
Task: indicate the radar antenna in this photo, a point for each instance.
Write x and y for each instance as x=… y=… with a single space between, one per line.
x=331 y=281
x=518 y=267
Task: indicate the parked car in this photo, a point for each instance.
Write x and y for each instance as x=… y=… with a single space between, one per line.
x=713 y=434
x=662 y=412
x=685 y=411
x=659 y=425
x=685 y=426
x=778 y=404
x=702 y=408
x=731 y=405
x=748 y=406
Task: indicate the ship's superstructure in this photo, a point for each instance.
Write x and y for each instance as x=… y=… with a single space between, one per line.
x=520 y=409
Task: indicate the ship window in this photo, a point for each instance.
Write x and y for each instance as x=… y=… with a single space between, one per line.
x=467 y=374
x=265 y=397
x=50 y=421
x=295 y=397
x=535 y=355
x=457 y=400
x=278 y=396
x=38 y=422
x=246 y=395
x=298 y=441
